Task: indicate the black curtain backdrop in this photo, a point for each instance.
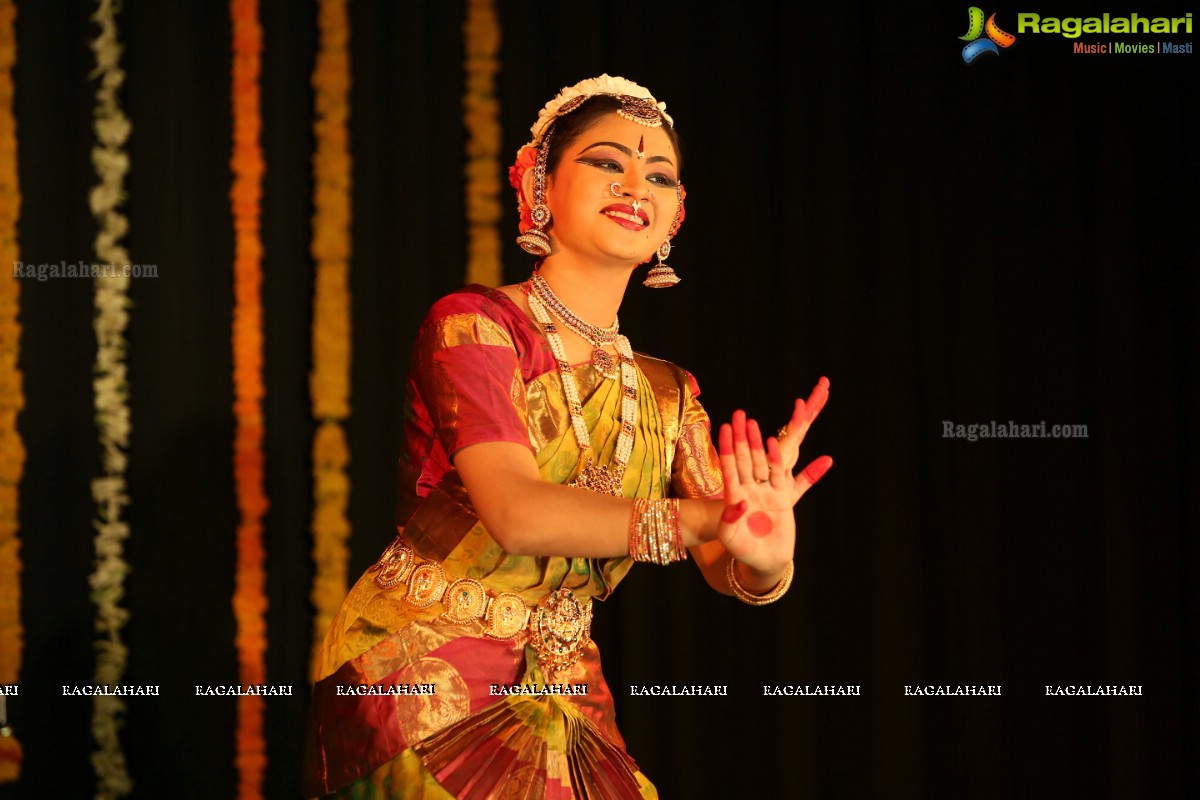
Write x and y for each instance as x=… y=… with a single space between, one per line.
x=1013 y=239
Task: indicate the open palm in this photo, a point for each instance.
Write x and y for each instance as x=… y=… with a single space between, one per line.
x=761 y=490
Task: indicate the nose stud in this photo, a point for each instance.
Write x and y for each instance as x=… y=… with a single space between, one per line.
x=614 y=189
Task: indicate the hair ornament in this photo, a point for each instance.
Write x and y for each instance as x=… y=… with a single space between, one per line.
x=637 y=104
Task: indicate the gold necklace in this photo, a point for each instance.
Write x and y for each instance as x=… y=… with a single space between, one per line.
x=593 y=476
x=594 y=335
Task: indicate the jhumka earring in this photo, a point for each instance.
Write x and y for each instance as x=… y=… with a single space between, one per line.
x=662 y=276
x=535 y=240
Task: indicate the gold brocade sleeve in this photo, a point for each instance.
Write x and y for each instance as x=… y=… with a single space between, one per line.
x=697 y=470
x=692 y=458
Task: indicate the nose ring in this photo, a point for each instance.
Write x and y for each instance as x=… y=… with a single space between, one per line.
x=615 y=189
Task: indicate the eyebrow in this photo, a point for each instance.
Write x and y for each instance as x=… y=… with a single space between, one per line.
x=626 y=151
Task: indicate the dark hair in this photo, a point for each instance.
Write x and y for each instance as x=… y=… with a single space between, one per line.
x=569 y=127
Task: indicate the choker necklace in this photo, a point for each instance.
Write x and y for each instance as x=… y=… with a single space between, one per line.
x=593 y=476
x=594 y=335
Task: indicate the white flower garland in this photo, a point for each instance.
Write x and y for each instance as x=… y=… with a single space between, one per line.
x=111 y=301
x=604 y=84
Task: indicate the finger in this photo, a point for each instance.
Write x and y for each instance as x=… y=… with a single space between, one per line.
x=816 y=400
x=728 y=464
x=803 y=414
x=790 y=444
x=758 y=456
x=729 y=532
x=741 y=449
x=733 y=513
x=813 y=405
x=780 y=475
x=811 y=474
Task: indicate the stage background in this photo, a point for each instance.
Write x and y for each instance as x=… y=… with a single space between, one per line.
x=1013 y=239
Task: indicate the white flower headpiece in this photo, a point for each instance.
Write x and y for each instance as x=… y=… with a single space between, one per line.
x=637 y=104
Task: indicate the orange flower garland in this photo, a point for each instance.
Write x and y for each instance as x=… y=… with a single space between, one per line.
x=249 y=595
x=526 y=158
x=481 y=113
x=12 y=396
x=329 y=382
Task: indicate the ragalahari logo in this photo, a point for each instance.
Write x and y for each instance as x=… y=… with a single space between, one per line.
x=976 y=27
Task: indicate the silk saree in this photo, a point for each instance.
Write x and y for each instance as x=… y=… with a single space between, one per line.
x=482 y=371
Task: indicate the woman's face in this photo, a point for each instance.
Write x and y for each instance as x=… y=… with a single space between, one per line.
x=588 y=220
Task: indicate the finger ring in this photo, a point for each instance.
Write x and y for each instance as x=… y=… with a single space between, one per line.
x=781 y=433
x=762 y=480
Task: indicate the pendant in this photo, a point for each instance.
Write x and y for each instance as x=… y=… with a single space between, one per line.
x=600 y=480
x=604 y=362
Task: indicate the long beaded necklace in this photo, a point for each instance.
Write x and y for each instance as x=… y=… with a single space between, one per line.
x=594 y=477
x=594 y=335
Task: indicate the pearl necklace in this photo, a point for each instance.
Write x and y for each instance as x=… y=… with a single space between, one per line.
x=594 y=477
x=594 y=335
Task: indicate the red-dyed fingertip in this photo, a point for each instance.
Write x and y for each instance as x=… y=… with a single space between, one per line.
x=823 y=383
x=733 y=513
x=754 y=434
x=739 y=426
x=773 y=453
x=725 y=440
x=818 y=468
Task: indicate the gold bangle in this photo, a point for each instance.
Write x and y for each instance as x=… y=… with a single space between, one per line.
x=779 y=590
x=654 y=532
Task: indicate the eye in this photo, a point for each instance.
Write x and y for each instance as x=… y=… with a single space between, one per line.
x=659 y=179
x=606 y=164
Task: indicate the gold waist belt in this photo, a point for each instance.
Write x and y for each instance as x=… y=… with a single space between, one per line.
x=559 y=624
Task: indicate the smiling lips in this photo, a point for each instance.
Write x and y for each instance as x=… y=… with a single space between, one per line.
x=627 y=216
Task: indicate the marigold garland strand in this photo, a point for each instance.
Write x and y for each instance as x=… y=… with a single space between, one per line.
x=245 y=195
x=481 y=115
x=329 y=382
x=12 y=397
x=109 y=382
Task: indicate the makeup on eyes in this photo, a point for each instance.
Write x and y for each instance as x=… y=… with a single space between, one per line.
x=627 y=152
x=614 y=163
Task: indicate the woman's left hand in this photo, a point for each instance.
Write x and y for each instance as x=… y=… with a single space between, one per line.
x=758 y=526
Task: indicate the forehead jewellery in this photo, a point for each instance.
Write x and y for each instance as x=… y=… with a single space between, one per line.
x=637 y=104
x=593 y=477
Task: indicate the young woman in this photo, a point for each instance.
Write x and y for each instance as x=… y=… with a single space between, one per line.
x=544 y=457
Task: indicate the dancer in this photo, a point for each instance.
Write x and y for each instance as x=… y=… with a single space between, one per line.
x=543 y=458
